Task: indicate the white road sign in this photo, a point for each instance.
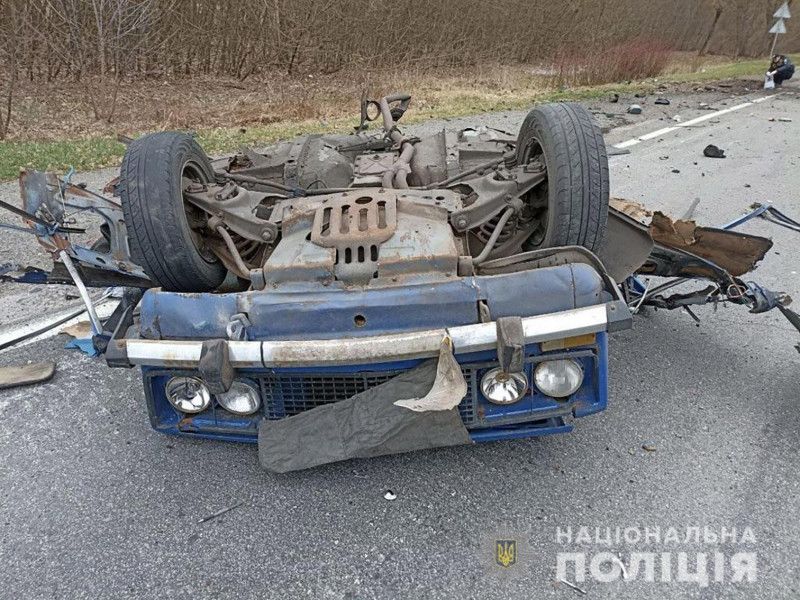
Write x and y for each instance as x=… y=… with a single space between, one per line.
x=783 y=12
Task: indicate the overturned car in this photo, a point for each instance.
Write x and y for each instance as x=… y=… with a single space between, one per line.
x=336 y=296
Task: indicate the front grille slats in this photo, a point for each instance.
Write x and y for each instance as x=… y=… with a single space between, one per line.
x=286 y=394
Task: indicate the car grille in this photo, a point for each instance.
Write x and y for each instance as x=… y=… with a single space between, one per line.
x=286 y=394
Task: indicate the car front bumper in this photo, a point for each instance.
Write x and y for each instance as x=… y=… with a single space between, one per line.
x=295 y=371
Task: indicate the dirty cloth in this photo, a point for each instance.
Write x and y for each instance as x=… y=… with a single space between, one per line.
x=365 y=425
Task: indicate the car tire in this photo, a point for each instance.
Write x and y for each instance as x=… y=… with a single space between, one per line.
x=574 y=199
x=161 y=241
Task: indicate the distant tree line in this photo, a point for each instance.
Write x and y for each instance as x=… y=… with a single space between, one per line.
x=48 y=39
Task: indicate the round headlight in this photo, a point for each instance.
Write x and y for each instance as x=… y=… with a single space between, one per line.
x=558 y=378
x=241 y=399
x=503 y=388
x=188 y=394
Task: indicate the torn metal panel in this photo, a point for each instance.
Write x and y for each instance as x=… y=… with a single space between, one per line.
x=628 y=244
x=734 y=252
x=48 y=203
x=738 y=253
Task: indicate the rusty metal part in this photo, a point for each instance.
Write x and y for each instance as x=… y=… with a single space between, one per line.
x=97 y=326
x=731 y=251
x=236 y=207
x=737 y=253
x=492 y=194
x=241 y=269
x=401 y=168
x=356 y=227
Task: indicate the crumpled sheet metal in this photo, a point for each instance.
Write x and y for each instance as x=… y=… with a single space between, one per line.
x=449 y=387
x=737 y=253
x=414 y=411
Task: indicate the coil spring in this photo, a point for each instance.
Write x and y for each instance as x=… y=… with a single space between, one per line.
x=251 y=251
x=484 y=232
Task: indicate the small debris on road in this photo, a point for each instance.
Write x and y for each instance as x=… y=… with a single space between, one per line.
x=618 y=151
x=390 y=495
x=81 y=329
x=677 y=118
x=676 y=170
x=581 y=591
x=649 y=446
x=780 y=120
x=712 y=151
x=19 y=375
x=614 y=98
x=662 y=101
x=634 y=109
x=219 y=513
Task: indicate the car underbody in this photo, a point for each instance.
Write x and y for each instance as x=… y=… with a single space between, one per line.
x=445 y=286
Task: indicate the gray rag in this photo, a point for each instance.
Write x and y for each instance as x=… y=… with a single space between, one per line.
x=367 y=424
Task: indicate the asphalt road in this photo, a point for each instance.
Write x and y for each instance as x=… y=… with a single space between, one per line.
x=94 y=504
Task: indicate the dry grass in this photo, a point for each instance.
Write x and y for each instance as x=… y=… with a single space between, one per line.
x=53 y=125
x=633 y=59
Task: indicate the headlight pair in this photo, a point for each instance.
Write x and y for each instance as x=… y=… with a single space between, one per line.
x=190 y=395
x=556 y=378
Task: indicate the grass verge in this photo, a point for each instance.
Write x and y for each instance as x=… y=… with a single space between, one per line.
x=102 y=151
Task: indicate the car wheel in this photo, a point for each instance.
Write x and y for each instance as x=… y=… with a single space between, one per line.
x=571 y=206
x=165 y=233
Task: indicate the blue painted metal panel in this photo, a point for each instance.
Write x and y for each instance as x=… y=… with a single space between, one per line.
x=320 y=314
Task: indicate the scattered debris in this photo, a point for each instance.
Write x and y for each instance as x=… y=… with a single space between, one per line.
x=712 y=151
x=16 y=376
x=614 y=98
x=780 y=119
x=219 y=513
x=676 y=170
x=85 y=345
x=649 y=447
x=81 y=329
x=677 y=118
x=613 y=151
x=768 y=213
x=621 y=564
x=81 y=333
x=390 y=495
x=662 y=101
x=580 y=590
x=634 y=109
x=690 y=211
x=706 y=106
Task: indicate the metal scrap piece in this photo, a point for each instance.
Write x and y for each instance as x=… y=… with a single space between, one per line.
x=449 y=386
x=738 y=253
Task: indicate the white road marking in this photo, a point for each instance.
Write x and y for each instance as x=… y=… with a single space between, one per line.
x=695 y=121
